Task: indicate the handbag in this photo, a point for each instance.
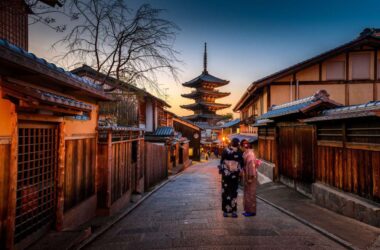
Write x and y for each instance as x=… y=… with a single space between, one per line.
x=232 y=166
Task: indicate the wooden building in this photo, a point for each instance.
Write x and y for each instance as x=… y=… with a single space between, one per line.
x=349 y=73
x=134 y=107
x=176 y=146
x=189 y=130
x=14 y=20
x=347 y=156
x=290 y=143
x=48 y=145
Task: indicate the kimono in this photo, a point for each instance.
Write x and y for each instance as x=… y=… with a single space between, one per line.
x=250 y=178
x=230 y=179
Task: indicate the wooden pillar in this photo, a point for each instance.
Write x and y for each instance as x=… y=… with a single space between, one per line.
x=60 y=177
x=375 y=77
x=268 y=98
x=108 y=173
x=346 y=85
x=10 y=227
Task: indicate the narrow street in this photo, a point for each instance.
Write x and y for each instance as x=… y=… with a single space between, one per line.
x=186 y=214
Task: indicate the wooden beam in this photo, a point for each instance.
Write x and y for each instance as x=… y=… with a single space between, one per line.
x=5 y=140
x=346 y=86
x=60 y=177
x=39 y=117
x=12 y=195
x=268 y=98
x=108 y=177
x=375 y=76
x=51 y=108
x=320 y=72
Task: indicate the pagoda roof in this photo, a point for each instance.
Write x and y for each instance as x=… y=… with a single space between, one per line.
x=205 y=92
x=205 y=77
x=213 y=105
x=203 y=116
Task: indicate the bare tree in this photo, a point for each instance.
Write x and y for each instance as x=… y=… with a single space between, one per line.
x=131 y=46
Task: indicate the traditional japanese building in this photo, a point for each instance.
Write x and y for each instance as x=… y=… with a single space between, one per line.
x=205 y=94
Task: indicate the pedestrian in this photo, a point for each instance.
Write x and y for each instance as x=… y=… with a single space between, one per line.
x=216 y=152
x=231 y=163
x=250 y=178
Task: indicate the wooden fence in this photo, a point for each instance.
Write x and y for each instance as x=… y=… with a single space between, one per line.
x=296 y=143
x=79 y=171
x=267 y=144
x=348 y=157
x=156 y=163
x=119 y=168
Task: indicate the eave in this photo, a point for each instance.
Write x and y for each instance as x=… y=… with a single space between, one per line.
x=208 y=105
x=16 y=63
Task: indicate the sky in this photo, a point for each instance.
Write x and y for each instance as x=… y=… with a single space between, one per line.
x=247 y=39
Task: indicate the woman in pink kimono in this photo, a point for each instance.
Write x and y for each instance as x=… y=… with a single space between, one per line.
x=250 y=178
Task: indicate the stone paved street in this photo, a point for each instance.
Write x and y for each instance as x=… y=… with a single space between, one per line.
x=186 y=214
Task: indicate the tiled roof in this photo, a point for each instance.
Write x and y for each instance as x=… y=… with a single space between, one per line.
x=164 y=131
x=119 y=128
x=347 y=112
x=231 y=123
x=76 y=81
x=86 y=70
x=204 y=92
x=205 y=104
x=34 y=93
x=206 y=116
x=205 y=77
x=297 y=106
x=53 y=98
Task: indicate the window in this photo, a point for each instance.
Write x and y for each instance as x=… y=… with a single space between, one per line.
x=361 y=65
x=335 y=70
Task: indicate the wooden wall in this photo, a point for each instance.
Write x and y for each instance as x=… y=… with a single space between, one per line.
x=348 y=157
x=189 y=132
x=14 y=22
x=155 y=163
x=121 y=169
x=267 y=144
x=80 y=165
x=4 y=190
x=295 y=152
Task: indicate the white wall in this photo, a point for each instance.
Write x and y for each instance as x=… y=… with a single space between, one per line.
x=149 y=116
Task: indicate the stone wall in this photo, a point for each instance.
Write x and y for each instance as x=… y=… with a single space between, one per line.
x=346 y=204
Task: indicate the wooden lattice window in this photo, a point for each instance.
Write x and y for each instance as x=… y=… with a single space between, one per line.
x=330 y=132
x=36 y=178
x=363 y=132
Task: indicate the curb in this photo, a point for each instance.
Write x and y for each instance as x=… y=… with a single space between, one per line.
x=108 y=225
x=329 y=235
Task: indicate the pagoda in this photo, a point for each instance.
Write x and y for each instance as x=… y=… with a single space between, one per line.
x=205 y=94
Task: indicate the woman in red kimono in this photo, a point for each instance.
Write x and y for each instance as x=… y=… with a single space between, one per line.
x=250 y=178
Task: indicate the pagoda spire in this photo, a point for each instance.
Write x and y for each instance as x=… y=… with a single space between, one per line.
x=205 y=60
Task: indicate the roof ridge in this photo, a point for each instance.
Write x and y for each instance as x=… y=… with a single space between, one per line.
x=320 y=94
x=353 y=108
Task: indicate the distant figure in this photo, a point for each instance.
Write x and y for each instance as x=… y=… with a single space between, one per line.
x=250 y=178
x=231 y=163
x=216 y=152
